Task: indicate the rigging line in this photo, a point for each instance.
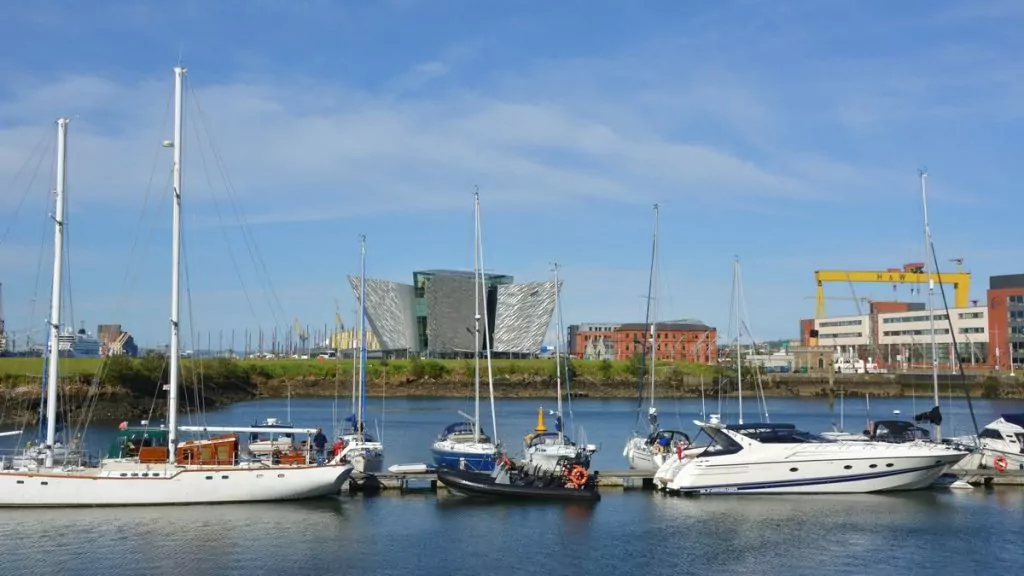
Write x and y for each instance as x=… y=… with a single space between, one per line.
x=224 y=232
x=952 y=334
x=252 y=246
x=197 y=364
x=647 y=323
x=28 y=185
x=43 y=244
x=145 y=202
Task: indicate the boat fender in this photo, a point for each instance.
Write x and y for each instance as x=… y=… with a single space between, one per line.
x=679 y=451
x=1000 y=463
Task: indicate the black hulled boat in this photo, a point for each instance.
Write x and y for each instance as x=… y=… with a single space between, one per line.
x=570 y=481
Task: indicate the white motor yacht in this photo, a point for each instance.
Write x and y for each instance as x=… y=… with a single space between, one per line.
x=999 y=445
x=779 y=458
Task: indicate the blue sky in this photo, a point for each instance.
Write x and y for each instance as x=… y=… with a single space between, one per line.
x=788 y=133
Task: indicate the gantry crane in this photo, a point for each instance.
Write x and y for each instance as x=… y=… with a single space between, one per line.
x=910 y=274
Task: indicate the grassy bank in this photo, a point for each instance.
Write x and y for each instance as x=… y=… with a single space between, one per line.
x=225 y=380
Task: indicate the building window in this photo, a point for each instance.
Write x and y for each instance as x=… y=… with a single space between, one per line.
x=821 y=363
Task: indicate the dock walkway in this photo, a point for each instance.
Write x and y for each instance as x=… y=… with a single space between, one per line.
x=621 y=479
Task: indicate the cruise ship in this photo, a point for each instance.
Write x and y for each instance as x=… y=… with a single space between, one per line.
x=79 y=344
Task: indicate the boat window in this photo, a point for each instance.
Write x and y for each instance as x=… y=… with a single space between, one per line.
x=779 y=434
x=991 y=433
x=721 y=444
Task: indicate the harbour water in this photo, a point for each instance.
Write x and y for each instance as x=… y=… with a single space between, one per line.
x=929 y=532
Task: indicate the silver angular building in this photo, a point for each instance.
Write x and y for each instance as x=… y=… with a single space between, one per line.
x=434 y=316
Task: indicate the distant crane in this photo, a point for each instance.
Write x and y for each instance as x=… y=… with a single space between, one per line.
x=301 y=334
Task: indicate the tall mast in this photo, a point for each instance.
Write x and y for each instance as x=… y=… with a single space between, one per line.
x=654 y=285
x=172 y=390
x=736 y=311
x=58 y=266
x=558 y=360
x=476 y=314
x=487 y=320
x=362 y=336
x=928 y=257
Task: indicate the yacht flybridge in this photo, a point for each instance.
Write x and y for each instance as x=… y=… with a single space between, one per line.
x=779 y=458
x=148 y=465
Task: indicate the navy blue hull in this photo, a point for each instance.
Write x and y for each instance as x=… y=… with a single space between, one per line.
x=474 y=462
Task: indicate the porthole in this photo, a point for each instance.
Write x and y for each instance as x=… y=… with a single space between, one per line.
x=209 y=477
x=847 y=467
x=124 y=474
x=280 y=475
x=21 y=481
x=889 y=465
x=45 y=483
x=793 y=469
x=873 y=466
x=224 y=477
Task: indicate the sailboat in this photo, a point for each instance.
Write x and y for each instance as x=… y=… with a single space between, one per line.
x=649 y=451
x=357 y=446
x=464 y=445
x=146 y=465
x=546 y=450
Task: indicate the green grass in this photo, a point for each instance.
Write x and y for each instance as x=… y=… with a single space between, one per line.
x=416 y=369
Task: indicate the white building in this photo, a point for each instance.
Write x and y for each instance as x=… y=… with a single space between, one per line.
x=904 y=338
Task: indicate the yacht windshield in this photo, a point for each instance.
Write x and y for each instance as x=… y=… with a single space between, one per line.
x=777 y=434
x=721 y=444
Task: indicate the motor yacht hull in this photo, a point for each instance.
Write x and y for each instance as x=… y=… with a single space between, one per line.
x=870 y=473
x=130 y=484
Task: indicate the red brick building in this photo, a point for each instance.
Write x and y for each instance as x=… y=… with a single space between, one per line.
x=1006 y=321
x=676 y=341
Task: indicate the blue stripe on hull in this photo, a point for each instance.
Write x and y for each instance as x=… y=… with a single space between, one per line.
x=745 y=487
x=477 y=462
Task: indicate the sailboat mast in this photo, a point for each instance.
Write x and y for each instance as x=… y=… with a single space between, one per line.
x=936 y=428
x=58 y=266
x=654 y=285
x=476 y=314
x=736 y=312
x=487 y=320
x=558 y=361
x=172 y=390
x=362 y=336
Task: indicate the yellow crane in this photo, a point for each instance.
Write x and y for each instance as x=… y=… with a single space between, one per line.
x=909 y=274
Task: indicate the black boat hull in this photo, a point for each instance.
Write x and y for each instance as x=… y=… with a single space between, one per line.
x=479 y=484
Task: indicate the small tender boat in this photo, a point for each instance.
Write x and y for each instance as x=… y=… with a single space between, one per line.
x=570 y=481
x=418 y=468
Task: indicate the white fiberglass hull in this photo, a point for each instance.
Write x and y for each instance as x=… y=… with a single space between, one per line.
x=130 y=484
x=819 y=470
x=640 y=457
x=365 y=457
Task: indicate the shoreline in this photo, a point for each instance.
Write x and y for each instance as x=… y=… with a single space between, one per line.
x=130 y=388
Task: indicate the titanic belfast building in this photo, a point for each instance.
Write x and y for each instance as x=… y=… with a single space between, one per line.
x=434 y=316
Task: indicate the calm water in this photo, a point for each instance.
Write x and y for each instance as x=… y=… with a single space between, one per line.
x=927 y=532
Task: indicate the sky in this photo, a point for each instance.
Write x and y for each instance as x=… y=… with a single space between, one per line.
x=788 y=135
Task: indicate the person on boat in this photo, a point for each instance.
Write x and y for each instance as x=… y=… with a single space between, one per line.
x=320 y=443
x=339 y=445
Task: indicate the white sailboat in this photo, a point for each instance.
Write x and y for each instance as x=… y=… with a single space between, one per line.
x=545 y=450
x=146 y=465
x=464 y=445
x=649 y=451
x=357 y=446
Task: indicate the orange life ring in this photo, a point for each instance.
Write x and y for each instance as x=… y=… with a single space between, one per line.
x=1000 y=463
x=578 y=476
